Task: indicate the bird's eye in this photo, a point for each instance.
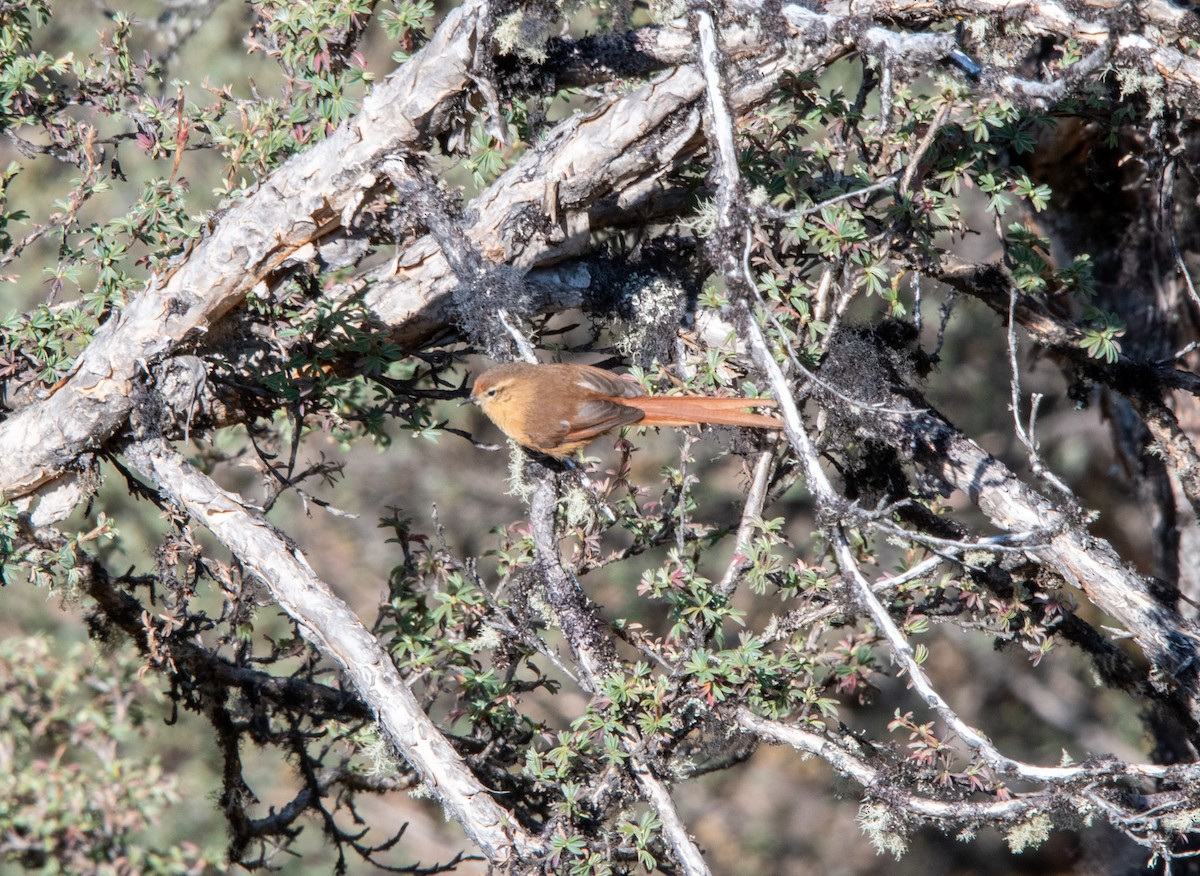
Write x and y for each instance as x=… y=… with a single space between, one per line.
x=491 y=393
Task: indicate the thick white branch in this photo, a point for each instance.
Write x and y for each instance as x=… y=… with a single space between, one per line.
x=615 y=154
x=315 y=191
x=328 y=623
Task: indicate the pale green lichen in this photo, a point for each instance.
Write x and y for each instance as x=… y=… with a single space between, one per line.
x=877 y=822
x=1181 y=822
x=489 y=638
x=1029 y=834
x=577 y=508
x=704 y=222
x=525 y=34
x=979 y=559
x=539 y=607
x=518 y=485
x=654 y=301
x=663 y=11
x=1133 y=80
x=378 y=752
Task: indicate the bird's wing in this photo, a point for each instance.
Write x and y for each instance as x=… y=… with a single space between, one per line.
x=596 y=416
x=548 y=437
x=606 y=383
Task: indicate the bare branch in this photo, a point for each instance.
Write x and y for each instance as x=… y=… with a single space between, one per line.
x=330 y=625
x=316 y=192
x=1140 y=382
x=841 y=754
x=1080 y=558
x=588 y=637
x=624 y=146
x=686 y=852
x=751 y=512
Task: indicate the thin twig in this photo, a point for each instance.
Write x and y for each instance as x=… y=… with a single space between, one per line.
x=799 y=213
x=1026 y=437
x=751 y=512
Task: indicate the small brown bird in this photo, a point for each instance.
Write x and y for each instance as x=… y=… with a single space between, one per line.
x=557 y=409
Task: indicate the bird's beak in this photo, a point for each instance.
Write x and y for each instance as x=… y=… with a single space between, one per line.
x=469 y=400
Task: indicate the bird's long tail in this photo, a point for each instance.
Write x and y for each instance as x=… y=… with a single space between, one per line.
x=687 y=410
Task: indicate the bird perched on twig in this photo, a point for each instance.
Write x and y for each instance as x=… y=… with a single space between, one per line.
x=557 y=409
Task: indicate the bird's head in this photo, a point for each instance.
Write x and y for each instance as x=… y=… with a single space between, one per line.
x=494 y=386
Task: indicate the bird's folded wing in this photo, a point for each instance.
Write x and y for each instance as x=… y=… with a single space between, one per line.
x=596 y=416
x=603 y=382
